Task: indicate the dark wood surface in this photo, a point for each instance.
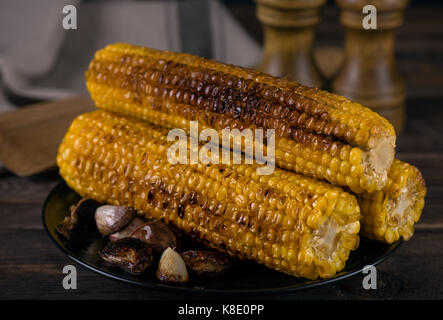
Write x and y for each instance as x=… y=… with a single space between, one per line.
x=31 y=265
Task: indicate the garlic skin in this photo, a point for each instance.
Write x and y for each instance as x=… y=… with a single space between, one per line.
x=110 y=219
x=157 y=235
x=81 y=216
x=127 y=231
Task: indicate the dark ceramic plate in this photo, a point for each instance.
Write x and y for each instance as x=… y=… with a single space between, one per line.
x=244 y=277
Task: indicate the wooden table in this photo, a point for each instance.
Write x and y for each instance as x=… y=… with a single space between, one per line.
x=31 y=265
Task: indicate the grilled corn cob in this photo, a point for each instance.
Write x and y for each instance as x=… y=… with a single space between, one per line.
x=317 y=133
x=391 y=213
x=306 y=232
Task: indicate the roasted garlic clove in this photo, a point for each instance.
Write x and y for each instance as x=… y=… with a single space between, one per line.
x=157 y=235
x=207 y=263
x=111 y=219
x=130 y=254
x=171 y=267
x=82 y=216
x=65 y=227
x=127 y=231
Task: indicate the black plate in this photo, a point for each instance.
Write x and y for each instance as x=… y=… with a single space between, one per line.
x=244 y=277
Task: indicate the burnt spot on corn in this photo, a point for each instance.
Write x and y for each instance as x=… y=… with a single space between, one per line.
x=237 y=112
x=223 y=106
x=180 y=211
x=193 y=198
x=150 y=195
x=109 y=138
x=222 y=245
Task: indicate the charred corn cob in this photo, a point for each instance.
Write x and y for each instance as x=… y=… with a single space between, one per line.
x=317 y=133
x=302 y=231
x=390 y=214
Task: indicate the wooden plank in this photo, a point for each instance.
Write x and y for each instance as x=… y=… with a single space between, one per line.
x=21 y=199
x=32 y=191
x=31 y=268
x=29 y=137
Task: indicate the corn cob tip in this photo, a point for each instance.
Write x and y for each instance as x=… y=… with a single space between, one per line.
x=379 y=159
x=390 y=214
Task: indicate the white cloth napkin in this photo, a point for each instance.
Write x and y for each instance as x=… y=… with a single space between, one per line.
x=41 y=60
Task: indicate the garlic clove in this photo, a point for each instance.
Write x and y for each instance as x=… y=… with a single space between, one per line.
x=110 y=219
x=171 y=267
x=130 y=254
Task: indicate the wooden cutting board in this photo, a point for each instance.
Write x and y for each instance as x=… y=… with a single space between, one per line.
x=29 y=137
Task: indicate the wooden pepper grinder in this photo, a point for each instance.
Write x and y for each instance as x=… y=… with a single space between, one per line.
x=288 y=39
x=368 y=74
